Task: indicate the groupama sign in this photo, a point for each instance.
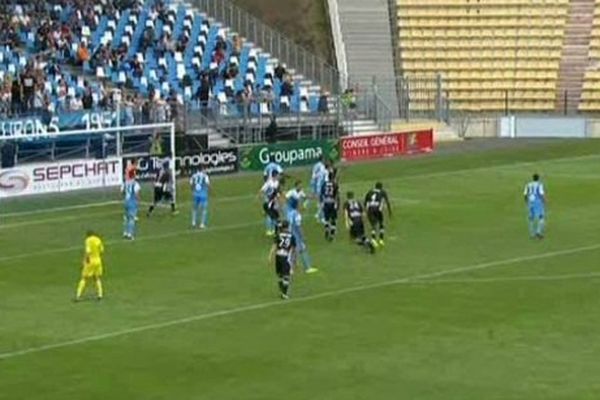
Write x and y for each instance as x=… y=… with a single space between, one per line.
x=288 y=154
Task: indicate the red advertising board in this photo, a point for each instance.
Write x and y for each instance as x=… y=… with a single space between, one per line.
x=386 y=145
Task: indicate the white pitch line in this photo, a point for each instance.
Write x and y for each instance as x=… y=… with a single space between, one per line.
x=350 y=183
x=58 y=209
x=57 y=219
x=269 y=304
x=115 y=242
x=235 y=198
x=141 y=239
x=501 y=279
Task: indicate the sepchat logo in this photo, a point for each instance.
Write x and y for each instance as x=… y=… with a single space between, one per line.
x=14 y=181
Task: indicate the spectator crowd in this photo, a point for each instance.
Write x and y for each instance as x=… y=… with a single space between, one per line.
x=58 y=32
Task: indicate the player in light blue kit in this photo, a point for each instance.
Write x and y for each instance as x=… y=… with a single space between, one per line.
x=318 y=179
x=295 y=220
x=535 y=198
x=200 y=183
x=131 y=196
x=294 y=197
x=271 y=169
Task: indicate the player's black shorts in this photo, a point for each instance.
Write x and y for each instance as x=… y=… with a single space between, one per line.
x=357 y=230
x=270 y=211
x=375 y=217
x=282 y=266
x=273 y=213
x=162 y=195
x=158 y=194
x=330 y=212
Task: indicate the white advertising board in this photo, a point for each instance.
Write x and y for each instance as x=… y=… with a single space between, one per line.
x=60 y=176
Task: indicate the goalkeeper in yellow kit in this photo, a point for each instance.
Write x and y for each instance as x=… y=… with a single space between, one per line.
x=92 y=265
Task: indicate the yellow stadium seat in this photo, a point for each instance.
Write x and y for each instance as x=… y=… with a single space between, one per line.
x=485 y=48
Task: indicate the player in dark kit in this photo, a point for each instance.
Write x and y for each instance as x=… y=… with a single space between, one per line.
x=281 y=253
x=330 y=199
x=375 y=200
x=353 y=212
x=163 y=189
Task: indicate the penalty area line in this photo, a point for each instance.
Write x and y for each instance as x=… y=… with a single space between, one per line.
x=59 y=209
x=501 y=279
x=121 y=241
x=261 y=306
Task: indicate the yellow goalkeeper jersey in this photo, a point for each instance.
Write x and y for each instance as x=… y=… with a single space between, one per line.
x=94 y=249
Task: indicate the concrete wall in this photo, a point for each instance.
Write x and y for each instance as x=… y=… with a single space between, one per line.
x=593 y=128
x=488 y=127
x=481 y=127
x=475 y=127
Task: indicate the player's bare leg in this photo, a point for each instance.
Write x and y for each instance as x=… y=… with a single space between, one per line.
x=80 y=289
x=99 y=289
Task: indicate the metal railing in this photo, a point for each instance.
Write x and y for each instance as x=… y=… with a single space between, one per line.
x=434 y=97
x=273 y=42
x=248 y=121
x=370 y=106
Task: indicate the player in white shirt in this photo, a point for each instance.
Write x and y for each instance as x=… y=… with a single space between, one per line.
x=270 y=193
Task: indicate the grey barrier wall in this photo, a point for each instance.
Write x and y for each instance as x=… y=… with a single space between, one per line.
x=542 y=127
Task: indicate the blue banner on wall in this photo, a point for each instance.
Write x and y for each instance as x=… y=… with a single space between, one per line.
x=44 y=124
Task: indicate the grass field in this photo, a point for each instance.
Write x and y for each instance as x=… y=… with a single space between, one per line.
x=461 y=304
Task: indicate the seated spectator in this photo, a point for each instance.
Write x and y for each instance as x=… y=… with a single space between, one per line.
x=219 y=56
x=83 y=54
x=280 y=72
x=62 y=101
x=186 y=81
x=202 y=95
x=76 y=104
x=16 y=99
x=5 y=102
x=28 y=82
x=87 y=101
x=38 y=99
x=287 y=88
x=128 y=110
x=267 y=97
x=49 y=108
x=323 y=106
x=238 y=44
x=146 y=112
x=231 y=72
x=213 y=73
x=221 y=44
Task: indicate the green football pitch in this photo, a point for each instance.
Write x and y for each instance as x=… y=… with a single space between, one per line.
x=460 y=304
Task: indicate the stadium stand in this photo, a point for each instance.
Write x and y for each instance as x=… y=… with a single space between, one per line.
x=60 y=58
x=491 y=55
x=162 y=50
x=590 y=96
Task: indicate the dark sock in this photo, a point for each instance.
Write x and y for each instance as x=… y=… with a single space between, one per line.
x=150 y=209
x=381 y=234
x=374 y=234
x=172 y=207
x=284 y=285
